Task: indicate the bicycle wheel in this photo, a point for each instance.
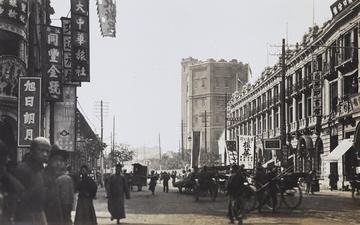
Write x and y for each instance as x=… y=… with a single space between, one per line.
x=292 y=197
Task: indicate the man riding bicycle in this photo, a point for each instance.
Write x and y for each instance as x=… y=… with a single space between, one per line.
x=235 y=191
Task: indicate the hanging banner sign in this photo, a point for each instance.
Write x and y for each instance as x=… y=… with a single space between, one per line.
x=195 y=150
x=247 y=151
x=64 y=116
x=340 y=5
x=232 y=152
x=29 y=110
x=317 y=93
x=107 y=17
x=53 y=69
x=80 y=40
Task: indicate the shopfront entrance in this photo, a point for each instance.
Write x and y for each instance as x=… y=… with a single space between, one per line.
x=8 y=135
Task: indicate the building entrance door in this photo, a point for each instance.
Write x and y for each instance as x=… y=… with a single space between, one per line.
x=7 y=135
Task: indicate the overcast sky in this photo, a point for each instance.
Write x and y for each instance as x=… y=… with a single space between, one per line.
x=138 y=72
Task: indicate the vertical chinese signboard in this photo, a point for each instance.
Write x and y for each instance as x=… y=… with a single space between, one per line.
x=64 y=116
x=80 y=40
x=29 y=110
x=53 y=68
x=107 y=17
x=66 y=32
x=247 y=151
x=195 y=149
x=317 y=93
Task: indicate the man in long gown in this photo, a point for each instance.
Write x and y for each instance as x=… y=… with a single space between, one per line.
x=118 y=189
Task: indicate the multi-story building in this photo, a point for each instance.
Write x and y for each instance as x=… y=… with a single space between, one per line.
x=322 y=99
x=204 y=85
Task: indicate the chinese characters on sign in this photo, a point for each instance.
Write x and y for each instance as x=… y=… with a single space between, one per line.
x=317 y=93
x=53 y=70
x=66 y=31
x=107 y=17
x=247 y=151
x=231 y=152
x=14 y=10
x=29 y=110
x=80 y=40
x=64 y=115
x=339 y=6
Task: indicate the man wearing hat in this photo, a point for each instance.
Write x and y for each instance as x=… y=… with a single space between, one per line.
x=30 y=208
x=118 y=189
x=53 y=203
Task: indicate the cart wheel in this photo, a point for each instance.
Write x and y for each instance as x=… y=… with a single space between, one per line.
x=292 y=197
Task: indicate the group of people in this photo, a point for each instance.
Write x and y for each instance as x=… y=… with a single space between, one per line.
x=34 y=194
x=40 y=190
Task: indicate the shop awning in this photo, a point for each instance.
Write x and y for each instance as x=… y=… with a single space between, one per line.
x=268 y=162
x=350 y=73
x=340 y=150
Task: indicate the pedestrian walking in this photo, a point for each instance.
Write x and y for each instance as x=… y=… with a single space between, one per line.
x=65 y=186
x=173 y=177
x=118 y=190
x=165 y=178
x=235 y=191
x=30 y=208
x=53 y=207
x=310 y=180
x=153 y=181
x=87 y=188
x=10 y=189
x=333 y=179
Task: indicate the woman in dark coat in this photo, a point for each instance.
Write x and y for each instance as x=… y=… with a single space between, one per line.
x=85 y=212
x=153 y=181
x=118 y=189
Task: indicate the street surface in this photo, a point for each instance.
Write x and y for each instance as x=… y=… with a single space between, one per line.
x=330 y=208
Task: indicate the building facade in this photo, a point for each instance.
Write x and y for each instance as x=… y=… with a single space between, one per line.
x=204 y=85
x=322 y=100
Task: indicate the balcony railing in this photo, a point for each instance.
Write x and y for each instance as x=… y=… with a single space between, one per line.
x=312 y=120
x=302 y=123
x=271 y=133
x=293 y=127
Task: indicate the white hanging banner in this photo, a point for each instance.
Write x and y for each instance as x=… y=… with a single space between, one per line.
x=247 y=151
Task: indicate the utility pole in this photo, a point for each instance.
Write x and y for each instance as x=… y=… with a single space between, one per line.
x=182 y=140
x=159 y=152
x=205 y=121
x=225 y=116
x=225 y=135
x=113 y=140
x=101 y=110
x=282 y=105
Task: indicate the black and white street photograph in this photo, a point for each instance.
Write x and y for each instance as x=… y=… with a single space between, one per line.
x=179 y=112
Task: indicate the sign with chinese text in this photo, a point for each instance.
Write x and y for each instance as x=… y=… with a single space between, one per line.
x=107 y=17
x=340 y=5
x=29 y=110
x=53 y=69
x=64 y=116
x=247 y=151
x=66 y=31
x=15 y=11
x=272 y=144
x=11 y=68
x=80 y=40
x=317 y=93
x=232 y=152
